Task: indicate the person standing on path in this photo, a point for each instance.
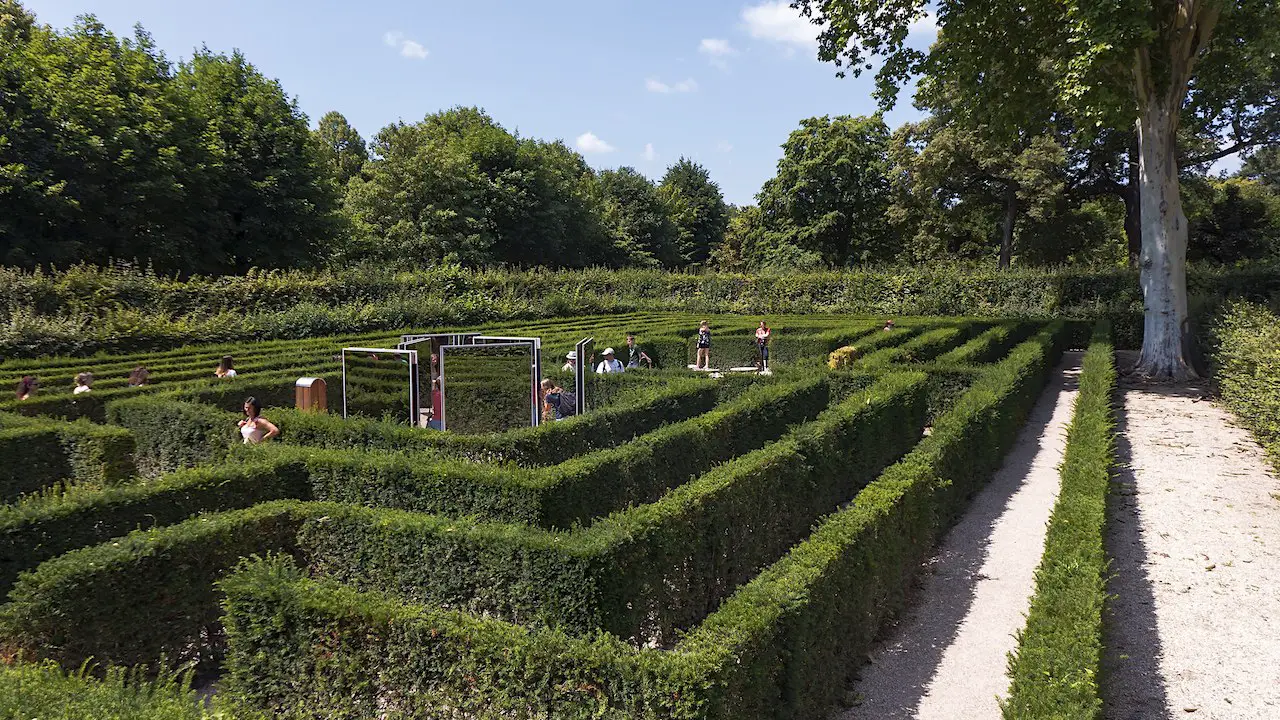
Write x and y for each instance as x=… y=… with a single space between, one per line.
x=703 y=361
x=763 y=333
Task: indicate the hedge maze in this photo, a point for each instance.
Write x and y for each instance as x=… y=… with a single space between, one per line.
x=691 y=547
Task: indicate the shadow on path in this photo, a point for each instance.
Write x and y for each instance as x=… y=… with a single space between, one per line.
x=1132 y=686
x=906 y=662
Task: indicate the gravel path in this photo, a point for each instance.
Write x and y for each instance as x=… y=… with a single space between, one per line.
x=946 y=659
x=1194 y=533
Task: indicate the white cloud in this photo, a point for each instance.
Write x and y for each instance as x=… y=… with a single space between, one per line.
x=411 y=49
x=408 y=48
x=723 y=147
x=780 y=23
x=715 y=47
x=649 y=153
x=589 y=143
x=927 y=24
x=657 y=86
x=717 y=51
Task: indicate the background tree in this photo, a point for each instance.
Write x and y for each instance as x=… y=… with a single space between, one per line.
x=264 y=201
x=697 y=208
x=1136 y=64
x=458 y=187
x=831 y=193
x=636 y=215
x=107 y=152
x=342 y=150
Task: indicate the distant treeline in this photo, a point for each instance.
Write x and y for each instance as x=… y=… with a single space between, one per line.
x=109 y=152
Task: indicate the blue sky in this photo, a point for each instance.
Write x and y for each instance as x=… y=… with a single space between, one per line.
x=628 y=82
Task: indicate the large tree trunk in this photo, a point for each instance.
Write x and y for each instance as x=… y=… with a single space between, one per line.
x=1132 y=196
x=1164 y=246
x=1010 y=222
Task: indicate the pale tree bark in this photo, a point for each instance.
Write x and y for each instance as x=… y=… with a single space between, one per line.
x=1164 y=247
x=1161 y=92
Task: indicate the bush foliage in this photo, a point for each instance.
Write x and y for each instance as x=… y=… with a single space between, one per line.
x=1056 y=669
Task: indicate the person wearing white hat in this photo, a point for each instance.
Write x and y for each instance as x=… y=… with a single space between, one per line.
x=570 y=361
x=609 y=364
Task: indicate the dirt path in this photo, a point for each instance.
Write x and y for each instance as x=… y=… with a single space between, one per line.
x=1194 y=533
x=946 y=658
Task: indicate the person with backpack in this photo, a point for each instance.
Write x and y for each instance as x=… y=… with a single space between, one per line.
x=557 y=404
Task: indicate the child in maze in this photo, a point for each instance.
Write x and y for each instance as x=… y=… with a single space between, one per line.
x=84 y=383
x=254 y=428
x=226 y=368
x=139 y=376
x=26 y=387
x=703 y=361
x=636 y=356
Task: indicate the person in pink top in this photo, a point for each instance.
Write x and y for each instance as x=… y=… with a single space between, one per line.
x=763 y=333
x=254 y=428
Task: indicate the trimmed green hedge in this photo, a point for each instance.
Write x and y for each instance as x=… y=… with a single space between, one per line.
x=579 y=489
x=547 y=444
x=1057 y=666
x=172 y=434
x=921 y=348
x=1245 y=354
x=989 y=346
x=646 y=572
x=783 y=646
x=40 y=528
x=145 y=596
x=41 y=454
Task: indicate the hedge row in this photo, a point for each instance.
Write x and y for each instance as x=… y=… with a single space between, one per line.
x=647 y=572
x=989 y=346
x=86 y=309
x=1057 y=666
x=172 y=434
x=783 y=646
x=146 y=596
x=546 y=444
x=41 y=454
x=926 y=346
x=579 y=489
x=1245 y=352
x=39 y=528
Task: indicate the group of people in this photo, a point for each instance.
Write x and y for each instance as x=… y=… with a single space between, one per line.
x=764 y=334
x=636 y=358
x=28 y=384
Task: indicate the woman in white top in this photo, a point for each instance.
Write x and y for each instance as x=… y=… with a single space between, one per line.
x=255 y=428
x=226 y=368
x=84 y=382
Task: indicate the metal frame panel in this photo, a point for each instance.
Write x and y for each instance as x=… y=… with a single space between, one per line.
x=535 y=374
x=414 y=403
x=586 y=349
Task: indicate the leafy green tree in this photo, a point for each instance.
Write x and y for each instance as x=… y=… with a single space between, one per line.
x=92 y=146
x=1264 y=166
x=458 y=187
x=1237 y=219
x=697 y=207
x=263 y=199
x=637 y=216
x=342 y=150
x=1139 y=64
x=832 y=191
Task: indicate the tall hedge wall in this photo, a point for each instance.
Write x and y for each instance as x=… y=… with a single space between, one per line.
x=781 y=647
